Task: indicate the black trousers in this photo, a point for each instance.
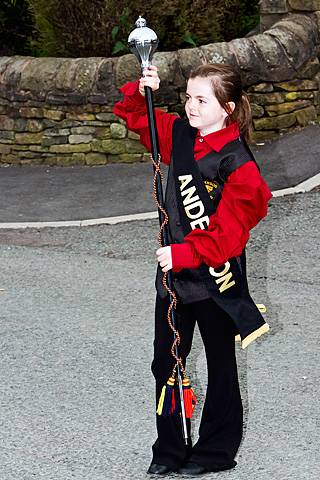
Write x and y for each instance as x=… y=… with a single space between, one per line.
x=221 y=424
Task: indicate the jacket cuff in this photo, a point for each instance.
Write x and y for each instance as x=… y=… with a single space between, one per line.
x=131 y=89
x=183 y=256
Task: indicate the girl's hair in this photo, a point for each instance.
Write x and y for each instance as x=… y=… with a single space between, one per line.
x=227 y=87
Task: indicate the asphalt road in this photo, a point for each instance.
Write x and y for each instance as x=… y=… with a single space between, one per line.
x=76 y=331
x=40 y=194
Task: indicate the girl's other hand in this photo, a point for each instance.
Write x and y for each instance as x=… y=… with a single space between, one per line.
x=150 y=79
x=164 y=258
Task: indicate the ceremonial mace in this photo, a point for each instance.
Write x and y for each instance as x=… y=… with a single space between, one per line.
x=143 y=42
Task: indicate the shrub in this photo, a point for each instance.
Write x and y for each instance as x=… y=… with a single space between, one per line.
x=78 y=28
x=15 y=28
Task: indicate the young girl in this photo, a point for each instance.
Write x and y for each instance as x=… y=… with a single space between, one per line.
x=214 y=197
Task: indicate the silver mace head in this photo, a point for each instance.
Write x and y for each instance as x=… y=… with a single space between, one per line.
x=143 y=42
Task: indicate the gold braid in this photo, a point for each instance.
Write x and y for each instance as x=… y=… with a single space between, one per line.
x=173 y=303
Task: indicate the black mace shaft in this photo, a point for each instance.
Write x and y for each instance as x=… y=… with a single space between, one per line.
x=165 y=237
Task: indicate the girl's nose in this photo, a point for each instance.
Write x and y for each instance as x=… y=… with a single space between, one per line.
x=191 y=104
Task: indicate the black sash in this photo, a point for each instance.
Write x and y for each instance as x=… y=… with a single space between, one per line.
x=228 y=283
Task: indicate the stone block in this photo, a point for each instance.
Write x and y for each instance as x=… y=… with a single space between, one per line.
x=219 y=52
x=28 y=138
x=6 y=136
x=96 y=146
x=316 y=99
x=298 y=36
x=166 y=94
x=85 y=75
x=80 y=116
x=117 y=130
x=103 y=133
x=20 y=125
x=56 y=132
x=114 y=147
x=81 y=147
x=66 y=99
x=263 y=135
x=34 y=125
x=132 y=146
x=56 y=140
x=107 y=108
x=292 y=46
x=28 y=154
x=95 y=123
x=125 y=158
x=96 y=159
x=11 y=159
x=169 y=69
x=56 y=115
x=127 y=69
x=287 y=107
x=83 y=130
x=106 y=82
x=98 y=98
x=275 y=123
x=275 y=65
x=38 y=148
x=268 y=20
x=267 y=98
x=38 y=75
x=297 y=84
x=79 y=158
x=249 y=60
x=32 y=161
x=5 y=148
x=31 y=112
x=68 y=160
x=291 y=96
x=310 y=69
x=306 y=115
x=106 y=117
x=6 y=123
x=189 y=59
x=316 y=16
x=256 y=110
x=133 y=135
x=80 y=139
x=304 y=5
x=261 y=88
x=273 y=6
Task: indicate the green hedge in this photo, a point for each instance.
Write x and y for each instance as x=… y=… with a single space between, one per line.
x=82 y=28
x=16 y=26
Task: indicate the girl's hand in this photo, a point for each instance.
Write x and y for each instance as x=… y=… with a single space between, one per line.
x=150 y=78
x=164 y=258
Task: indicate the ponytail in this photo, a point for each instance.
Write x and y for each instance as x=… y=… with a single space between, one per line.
x=242 y=115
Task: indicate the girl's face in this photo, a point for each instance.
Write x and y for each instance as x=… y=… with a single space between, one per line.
x=202 y=107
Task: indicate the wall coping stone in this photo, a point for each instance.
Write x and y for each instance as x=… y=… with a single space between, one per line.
x=274 y=55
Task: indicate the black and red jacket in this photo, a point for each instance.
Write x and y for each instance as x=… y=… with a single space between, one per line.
x=245 y=194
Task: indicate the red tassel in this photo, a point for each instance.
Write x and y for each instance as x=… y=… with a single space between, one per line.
x=189 y=398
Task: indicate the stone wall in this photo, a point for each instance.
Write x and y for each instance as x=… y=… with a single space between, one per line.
x=58 y=111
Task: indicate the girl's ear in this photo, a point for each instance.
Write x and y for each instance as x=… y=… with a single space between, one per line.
x=229 y=108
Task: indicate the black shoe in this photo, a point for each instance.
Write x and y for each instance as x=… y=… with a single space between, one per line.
x=191 y=468
x=157 y=469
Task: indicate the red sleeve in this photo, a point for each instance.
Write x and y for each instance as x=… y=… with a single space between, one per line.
x=133 y=110
x=243 y=204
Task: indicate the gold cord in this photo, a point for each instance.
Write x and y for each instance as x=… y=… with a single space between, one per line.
x=173 y=303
